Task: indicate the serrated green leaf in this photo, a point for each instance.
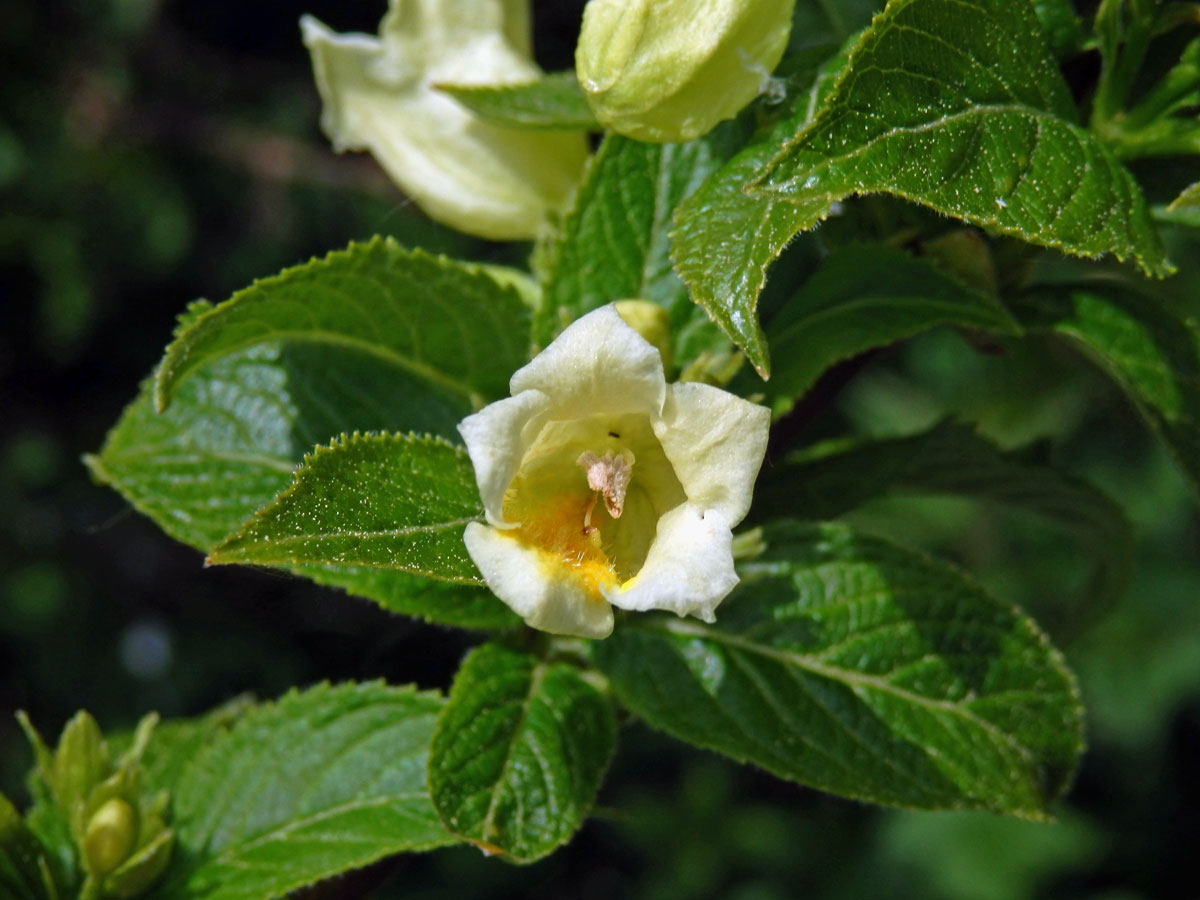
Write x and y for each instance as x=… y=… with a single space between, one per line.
x=723 y=240
x=176 y=742
x=231 y=439
x=861 y=668
x=519 y=752
x=1149 y=350
x=443 y=602
x=321 y=782
x=390 y=502
x=960 y=106
x=867 y=296
x=555 y=101
x=446 y=324
x=236 y=430
x=238 y=426
x=952 y=459
x=614 y=244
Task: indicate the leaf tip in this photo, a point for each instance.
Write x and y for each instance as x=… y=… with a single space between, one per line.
x=95 y=467
x=488 y=849
x=761 y=362
x=162 y=393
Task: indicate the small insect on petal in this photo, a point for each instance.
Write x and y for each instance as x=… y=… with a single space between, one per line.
x=609 y=475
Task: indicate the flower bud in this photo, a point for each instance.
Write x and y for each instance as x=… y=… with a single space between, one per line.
x=121 y=834
x=669 y=70
x=80 y=761
x=110 y=837
x=142 y=869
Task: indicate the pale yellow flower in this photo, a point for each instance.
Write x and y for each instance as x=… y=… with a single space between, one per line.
x=603 y=484
x=380 y=95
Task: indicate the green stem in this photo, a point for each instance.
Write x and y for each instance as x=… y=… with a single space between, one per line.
x=1122 y=56
x=1166 y=137
x=1171 y=92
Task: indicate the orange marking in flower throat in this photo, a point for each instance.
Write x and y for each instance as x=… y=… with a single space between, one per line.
x=560 y=529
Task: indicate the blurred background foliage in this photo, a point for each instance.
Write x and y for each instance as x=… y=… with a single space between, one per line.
x=155 y=150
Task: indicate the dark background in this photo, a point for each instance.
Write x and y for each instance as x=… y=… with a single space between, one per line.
x=153 y=152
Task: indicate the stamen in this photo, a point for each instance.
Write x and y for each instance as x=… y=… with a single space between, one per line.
x=588 y=527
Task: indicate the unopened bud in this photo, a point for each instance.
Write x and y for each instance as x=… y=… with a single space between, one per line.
x=142 y=869
x=669 y=70
x=110 y=837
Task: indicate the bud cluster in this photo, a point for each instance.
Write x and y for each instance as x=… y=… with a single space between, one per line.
x=120 y=833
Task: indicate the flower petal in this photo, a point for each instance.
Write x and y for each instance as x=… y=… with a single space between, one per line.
x=545 y=596
x=689 y=570
x=597 y=365
x=379 y=95
x=716 y=442
x=442 y=26
x=496 y=439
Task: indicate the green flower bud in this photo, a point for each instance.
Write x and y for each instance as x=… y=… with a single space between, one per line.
x=142 y=869
x=669 y=70
x=110 y=837
x=121 y=833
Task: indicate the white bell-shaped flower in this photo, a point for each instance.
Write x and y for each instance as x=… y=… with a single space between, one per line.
x=380 y=94
x=603 y=484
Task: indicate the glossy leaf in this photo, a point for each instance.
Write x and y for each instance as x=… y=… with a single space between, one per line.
x=443 y=602
x=960 y=106
x=723 y=243
x=867 y=296
x=320 y=782
x=555 y=101
x=236 y=430
x=519 y=752
x=723 y=240
x=389 y=502
x=238 y=426
x=614 y=244
x=1151 y=351
x=447 y=325
x=861 y=668
x=953 y=460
